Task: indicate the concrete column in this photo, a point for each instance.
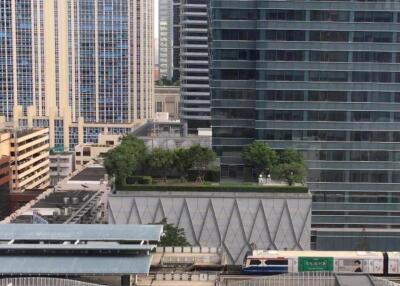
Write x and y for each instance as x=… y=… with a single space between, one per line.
x=31 y=113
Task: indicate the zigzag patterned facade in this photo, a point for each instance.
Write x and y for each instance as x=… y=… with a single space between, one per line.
x=231 y=221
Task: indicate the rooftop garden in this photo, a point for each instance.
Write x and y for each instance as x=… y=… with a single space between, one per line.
x=134 y=168
x=254 y=188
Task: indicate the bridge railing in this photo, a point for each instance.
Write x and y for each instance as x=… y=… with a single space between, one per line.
x=42 y=281
x=295 y=279
x=382 y=282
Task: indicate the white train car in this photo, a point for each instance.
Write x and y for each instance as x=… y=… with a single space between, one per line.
x=393 y=259
x=274 y=262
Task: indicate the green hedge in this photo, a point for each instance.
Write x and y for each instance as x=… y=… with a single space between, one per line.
x=141 y=180
x=216 y=188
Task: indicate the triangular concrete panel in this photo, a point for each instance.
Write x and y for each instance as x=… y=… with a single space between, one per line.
x=146 y=208
x=285 y=238
x=172 y=208
x=298 y=210
x=185 y=222
x=235 y=238
x=259 y=233
x=222 y=208
x=197 y=210
x=209 y=235
x=248 y=210
x=273 y=211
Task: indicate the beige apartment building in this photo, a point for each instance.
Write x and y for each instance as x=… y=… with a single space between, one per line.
x=167 y=99
x=29 y=152
x=77 y=69
x=95 y=151
x=4 y=143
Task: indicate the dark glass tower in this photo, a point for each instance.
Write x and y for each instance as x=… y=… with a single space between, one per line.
x=195 y=88
x=321 y=77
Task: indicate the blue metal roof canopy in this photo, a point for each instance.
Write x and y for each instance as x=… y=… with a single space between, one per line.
x=96 y=249
x=73 y=265
x=85 y=232
x=68 y=247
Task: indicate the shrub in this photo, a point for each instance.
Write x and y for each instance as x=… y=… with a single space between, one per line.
x=140 y=180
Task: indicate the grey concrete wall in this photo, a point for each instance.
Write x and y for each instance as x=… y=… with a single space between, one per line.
x=230 y=220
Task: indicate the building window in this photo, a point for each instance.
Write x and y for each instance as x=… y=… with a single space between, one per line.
x=159 y=106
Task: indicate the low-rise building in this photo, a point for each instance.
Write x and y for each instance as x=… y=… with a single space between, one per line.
x=166 y=99
x=170 y=135
x=85 y=153
x=79 y=198
x=4 y=185
x=29 y=151
x=232 y=217
x=61 y=166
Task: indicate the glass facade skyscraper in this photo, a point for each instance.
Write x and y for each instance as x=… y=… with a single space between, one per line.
x=111 y=60
x=165 y=37
x=68 y=61
x=322 y=77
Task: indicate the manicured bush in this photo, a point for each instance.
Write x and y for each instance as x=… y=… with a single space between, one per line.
x=140 y=180
x=215 y=188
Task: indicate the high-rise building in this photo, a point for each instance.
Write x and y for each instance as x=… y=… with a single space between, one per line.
x=165 y=38
x=195 y=88
x=65 y=62
x=321 y=77
x=176 y=39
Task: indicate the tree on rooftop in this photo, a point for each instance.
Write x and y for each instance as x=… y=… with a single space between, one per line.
x=288 y=156
x=290 y=167
x=290 y=173
x=161 y=160
x=202 y=158
x=183 y=161
x=173 y=235
x=122 y=161
x=259 y=156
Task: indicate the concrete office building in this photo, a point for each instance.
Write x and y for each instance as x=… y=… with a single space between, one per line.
x=5 y=174
x=165 y=38
x=86 y=153
x=71 y=65
x=29 y=152
x=5 y=179
x=62 y=164
x=321 y=77
x=167 y=99
x=195 y=104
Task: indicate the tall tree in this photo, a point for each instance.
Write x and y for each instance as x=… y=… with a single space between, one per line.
x=183 y=161
x=161 y=160
x=291 y=173
x=202 y=157
x=259 y=156
x=290 y=167
x=288 y=156
x=173 y=236
x=122 y=161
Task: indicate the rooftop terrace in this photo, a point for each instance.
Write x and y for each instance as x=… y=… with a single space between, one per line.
x=221 y=187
